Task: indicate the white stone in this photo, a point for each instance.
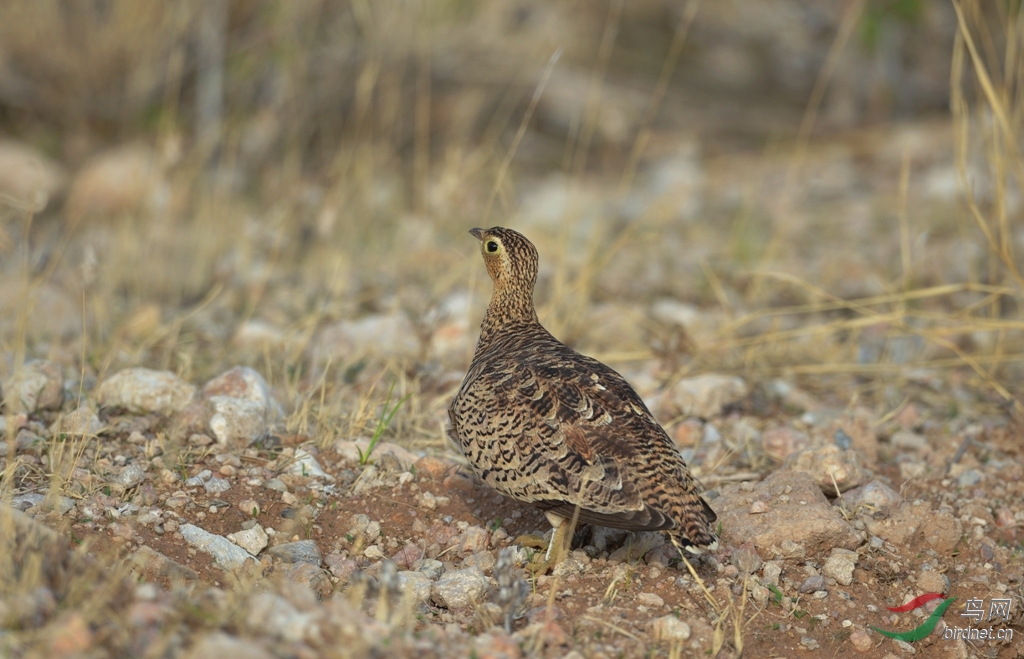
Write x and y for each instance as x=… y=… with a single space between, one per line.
x=236 y=420
x=247 y=384
x=670 y=628
x=28 y=179
x=38 y=385
x=145 y=391
x=840 y=565
x=417 y=583
x=459 y=588
x=306 y=465
x=225 y=553
x=705 y=395
x=383 y=335
x=252 y=540
x=82 y=422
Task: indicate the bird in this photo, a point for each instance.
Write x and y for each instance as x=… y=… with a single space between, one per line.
x=543 y=424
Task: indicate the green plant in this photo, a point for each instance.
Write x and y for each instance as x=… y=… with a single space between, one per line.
x=386 y=415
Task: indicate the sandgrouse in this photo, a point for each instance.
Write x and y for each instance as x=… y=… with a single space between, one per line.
x=543 y=424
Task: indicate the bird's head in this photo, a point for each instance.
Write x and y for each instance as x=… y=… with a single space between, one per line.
x=510 y=258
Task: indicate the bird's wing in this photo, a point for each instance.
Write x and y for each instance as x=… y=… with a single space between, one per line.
x=590 y=433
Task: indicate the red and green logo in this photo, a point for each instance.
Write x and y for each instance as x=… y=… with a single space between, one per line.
x=926 y=627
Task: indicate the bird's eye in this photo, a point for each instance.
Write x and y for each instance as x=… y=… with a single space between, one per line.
x=491 y=246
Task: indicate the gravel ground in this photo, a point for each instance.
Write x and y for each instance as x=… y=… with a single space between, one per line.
x=257 y=541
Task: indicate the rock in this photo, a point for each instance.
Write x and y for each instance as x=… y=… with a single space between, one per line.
x=830 y=466
x=38 y=385
x=408 y=556
x=219 y=645
x=911 y=441
x=433 y=468
x=48 y=310
x=572 y=565
x=131 y=475
x=151 y=565
x=473 y=540
x=23 y=502
x=245 y=383
x=840 y=565
x=809 y=643
x=225 y=554
x=771 y=572
x=746 y=559
x=417 y=583
x=236 y=421
x=638 y=548
x=459 y=588
x=483 y=561
x=451 y=325
x=431 y=567
x=930 y=581
x=688 y=433
x=145 y=391
x=799 y=516
x=875 y=497
x=901 y=526
x=275 y=616
x=814 y=584
x=306 y=465
x=861 y=641
x=82 y=422
x=31 y=609
x=673 y=312
x=258 y=336
x=301 y=551
x=252 y=540
x=858 y=427
x=650 y=599
x=343 y=569
x=386 y=336
x=311 y=577
x=216 y=485
x=496 y=644
x=121 y=180
x=70 y=636
x=199 y=480
x=941 y=531
x=24 y=441
x=704 y=396
x=969 y=478
x=28 y=179
x=603 y=537
x=670 y=628
x=779 y=443
x=349 y=451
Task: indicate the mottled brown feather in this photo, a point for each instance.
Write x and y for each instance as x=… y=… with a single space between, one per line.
x=543 y=424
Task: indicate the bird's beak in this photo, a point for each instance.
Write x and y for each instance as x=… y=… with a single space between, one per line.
x=477 y=233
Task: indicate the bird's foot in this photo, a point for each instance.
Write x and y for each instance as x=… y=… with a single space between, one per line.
x=532 y=540
x=539 y=564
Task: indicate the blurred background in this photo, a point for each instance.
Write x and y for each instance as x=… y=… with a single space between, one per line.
x=823 y=191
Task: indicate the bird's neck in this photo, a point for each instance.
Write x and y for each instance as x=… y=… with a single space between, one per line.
x=507 y=308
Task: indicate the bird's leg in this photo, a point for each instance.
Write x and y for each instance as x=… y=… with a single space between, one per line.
x=557 y=547
x=561 y=536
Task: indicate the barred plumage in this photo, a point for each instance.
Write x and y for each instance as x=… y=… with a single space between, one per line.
x=543 y=424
